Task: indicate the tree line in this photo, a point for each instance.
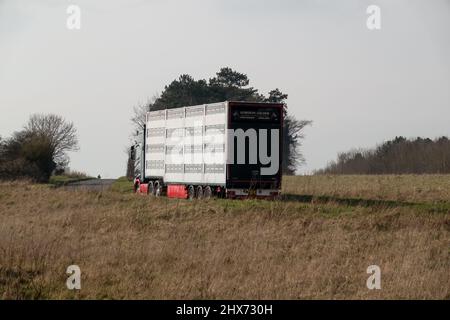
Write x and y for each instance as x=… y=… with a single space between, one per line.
x=227 y=85
x=397 y=156
x=38 y=150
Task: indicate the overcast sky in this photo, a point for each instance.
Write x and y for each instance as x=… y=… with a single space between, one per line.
x=360 y=87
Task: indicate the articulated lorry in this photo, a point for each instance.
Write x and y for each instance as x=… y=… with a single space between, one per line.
x=229 y=149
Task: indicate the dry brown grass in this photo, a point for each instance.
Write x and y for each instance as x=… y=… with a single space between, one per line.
x=130 y=246
x=411 y=188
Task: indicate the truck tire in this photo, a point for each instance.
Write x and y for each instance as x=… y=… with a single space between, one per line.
x=199 y=192
x=191 y=193
x=151 y=189
x=207 y=192
x=158 y=189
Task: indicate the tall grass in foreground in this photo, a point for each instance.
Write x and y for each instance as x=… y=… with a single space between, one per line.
x=130 y=246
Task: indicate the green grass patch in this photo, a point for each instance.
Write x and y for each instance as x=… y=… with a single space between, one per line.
x=122 y=185
x=65 y=179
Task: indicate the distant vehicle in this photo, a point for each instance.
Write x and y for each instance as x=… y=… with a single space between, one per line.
x=229 y=149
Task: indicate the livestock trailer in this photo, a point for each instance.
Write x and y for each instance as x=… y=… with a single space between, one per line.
x=228 y=149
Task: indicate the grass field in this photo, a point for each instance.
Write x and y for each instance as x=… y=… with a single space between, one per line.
x=315 y=243
x=403 y=188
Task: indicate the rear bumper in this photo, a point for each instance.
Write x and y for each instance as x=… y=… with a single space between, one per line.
x=255 y=193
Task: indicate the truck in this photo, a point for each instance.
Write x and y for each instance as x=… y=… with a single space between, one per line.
x=229 y=149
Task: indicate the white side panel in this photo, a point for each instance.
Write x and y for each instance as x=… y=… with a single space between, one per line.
x=156 y=119
x=187 y=145
x=214 y=143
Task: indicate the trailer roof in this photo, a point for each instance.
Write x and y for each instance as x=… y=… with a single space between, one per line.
x=229 y=101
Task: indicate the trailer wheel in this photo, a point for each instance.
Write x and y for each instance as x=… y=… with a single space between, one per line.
x=191 y=193
x=199 y=192
x=151 y=188
x=158 y=189
x=207 y=193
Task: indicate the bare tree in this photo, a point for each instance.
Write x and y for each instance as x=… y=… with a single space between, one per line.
x=37 y=150
x=140 y=112
x=62 y=135
x=293 y=136
x=138 y=119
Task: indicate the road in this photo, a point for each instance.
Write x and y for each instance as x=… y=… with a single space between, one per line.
x=92 y=185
